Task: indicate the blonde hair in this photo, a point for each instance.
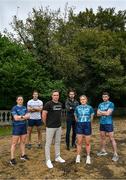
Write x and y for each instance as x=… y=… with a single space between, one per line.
x=84 y=96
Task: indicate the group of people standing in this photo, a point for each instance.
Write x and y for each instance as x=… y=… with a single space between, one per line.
x=79 y=118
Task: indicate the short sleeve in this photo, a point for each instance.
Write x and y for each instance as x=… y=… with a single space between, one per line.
x=28 y=103
x=46 y=106
x=14 y=111
x=99 y=107
x=92 y=111
x=41 y=103
x=111 y=106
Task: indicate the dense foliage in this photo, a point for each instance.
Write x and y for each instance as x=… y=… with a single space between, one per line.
x=85 y=51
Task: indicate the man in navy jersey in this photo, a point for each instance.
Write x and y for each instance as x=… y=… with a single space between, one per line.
x=105 y=110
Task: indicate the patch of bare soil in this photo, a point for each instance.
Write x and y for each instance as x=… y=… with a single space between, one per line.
x=35 y=168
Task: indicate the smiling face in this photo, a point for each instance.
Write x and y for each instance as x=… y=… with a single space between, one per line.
x=83 y=100
x=20 y=100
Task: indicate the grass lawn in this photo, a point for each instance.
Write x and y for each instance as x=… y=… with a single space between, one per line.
x=5 y=130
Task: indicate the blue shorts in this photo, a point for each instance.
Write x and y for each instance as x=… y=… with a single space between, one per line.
x=19 y=130
x=106 y=127
x=83 y=128
x=34 y=122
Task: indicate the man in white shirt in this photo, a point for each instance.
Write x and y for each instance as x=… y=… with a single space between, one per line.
x=35 y=106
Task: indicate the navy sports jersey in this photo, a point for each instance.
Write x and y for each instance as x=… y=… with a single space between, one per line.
x=83 y=113
x=20 y=111
x=104 y=106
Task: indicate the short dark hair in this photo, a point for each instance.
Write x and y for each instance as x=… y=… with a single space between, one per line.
x=55 y=90
x=105 y=93
x=19 y=96
x=72 y=90
x=35 y=91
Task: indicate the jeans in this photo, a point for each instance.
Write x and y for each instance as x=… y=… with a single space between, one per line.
x=70 y=124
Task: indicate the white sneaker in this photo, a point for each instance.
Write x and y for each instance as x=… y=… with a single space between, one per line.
x=102 y=153
x=49 y=164
x=115 y=158
x=78 y=159
x=59 y=159
x=88 y=160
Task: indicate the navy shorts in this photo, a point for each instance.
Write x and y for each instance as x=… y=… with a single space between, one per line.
x=106 y=127
x=83 y=128
x=34 y=122
x=19 y=130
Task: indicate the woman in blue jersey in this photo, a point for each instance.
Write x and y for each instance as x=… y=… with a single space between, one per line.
x=19 y=129
x=84 y=115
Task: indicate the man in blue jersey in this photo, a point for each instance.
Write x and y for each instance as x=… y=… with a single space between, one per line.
x=84 y=115
x=105 y=110
x=20 y=115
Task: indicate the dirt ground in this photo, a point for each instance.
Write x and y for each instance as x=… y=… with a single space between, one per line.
x=35 y=168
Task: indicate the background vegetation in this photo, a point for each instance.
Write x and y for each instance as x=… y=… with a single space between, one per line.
x=85 y=51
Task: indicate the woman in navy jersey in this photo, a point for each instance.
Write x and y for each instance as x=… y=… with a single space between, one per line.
x=19 y=129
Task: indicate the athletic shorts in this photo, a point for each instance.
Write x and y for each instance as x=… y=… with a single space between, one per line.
x=34 y=122
x=83 y=128
x=106 y=127
x=19 y=130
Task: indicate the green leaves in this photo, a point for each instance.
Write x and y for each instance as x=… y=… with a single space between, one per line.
x=86 y=51
x=21 y=74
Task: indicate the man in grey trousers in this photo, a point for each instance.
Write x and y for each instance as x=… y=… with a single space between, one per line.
x=51 y=116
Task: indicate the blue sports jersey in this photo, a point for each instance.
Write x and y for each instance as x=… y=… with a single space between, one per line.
x=104 y=106
x=83 y=113
x=20 y=111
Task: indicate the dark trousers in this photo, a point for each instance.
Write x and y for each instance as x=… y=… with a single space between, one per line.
x=70 y=124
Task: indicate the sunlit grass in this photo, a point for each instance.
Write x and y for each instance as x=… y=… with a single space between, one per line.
x=5 y=130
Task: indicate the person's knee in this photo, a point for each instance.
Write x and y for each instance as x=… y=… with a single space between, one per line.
x=14 y=144
x=57 y=142
x=79 y=143
x=112 y=140
x=22 y=142
x=87 y=144
x=39 y=130
x=47 y=145
x=48 y=142
x=102 y=137
x=68 y=130
x=30 y=129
